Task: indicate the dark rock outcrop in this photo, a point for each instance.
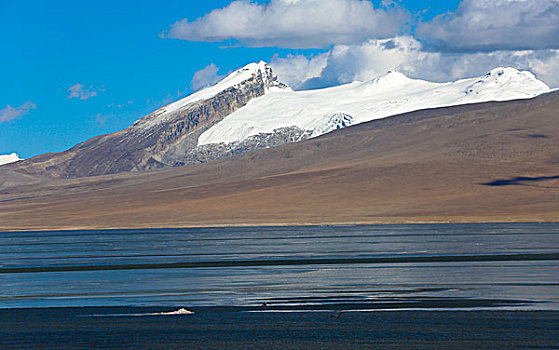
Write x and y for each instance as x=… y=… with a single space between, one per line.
x=206 y=153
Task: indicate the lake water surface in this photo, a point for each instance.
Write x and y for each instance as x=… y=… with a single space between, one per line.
x=308 y=272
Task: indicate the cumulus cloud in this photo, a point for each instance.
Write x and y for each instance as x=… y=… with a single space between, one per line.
x=10 y=113
x=546 y=66
x=205 y=77
x=489 y=25
x=296 y=70
x=83 y=92
x=295 y=23
x=347 y=63
x=364 y=41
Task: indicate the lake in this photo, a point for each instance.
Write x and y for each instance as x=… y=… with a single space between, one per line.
x=417 y=281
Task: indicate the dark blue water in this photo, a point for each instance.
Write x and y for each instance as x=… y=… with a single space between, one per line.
x=218 y=328
x=404 y=277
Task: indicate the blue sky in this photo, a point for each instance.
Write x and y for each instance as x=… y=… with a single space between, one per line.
x=110 y=45
x=72 y=70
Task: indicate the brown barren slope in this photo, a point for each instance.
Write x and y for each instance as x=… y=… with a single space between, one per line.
x=492 y=162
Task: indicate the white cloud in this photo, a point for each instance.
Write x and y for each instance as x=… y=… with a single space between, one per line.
x=206 y=77
x=489 y=25
x=295 y=70
x=546 y=66
x=295 y=23
x=10 y=113
x=102 y=118
x=120 y=105
x=348 y=63
x=83 y=92
x=479 y=36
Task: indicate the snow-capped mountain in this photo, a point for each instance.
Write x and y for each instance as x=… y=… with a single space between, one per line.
x=324 y=110
x=251 y=109
x=164 y=138
x=236 y=80
x=9 y=158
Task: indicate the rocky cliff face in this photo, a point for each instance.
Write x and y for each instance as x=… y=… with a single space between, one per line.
x=166 y=137
x=206 y=153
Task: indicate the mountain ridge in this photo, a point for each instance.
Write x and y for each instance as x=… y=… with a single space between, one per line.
x=177 y=134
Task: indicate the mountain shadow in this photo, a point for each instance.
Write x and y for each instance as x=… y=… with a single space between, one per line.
x=519 y=181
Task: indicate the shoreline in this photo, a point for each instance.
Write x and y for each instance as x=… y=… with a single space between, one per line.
x=256 y=310
x=283 y=224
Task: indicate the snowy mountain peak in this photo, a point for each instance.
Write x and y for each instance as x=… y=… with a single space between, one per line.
x=243 y=74
x=259 y=76
x=234 y=79
x=240 y=76
x=508 y=71
x=392 y=76
x=9 y=158
x=390 y=80
x=507 y=81
x=507 y=74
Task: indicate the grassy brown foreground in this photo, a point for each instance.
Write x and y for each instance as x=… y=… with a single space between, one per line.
x=490 y=162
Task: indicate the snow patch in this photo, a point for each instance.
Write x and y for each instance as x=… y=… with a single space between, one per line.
x=9 y=158
x=181 y=311
x=178 y=312
x=331 y=122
